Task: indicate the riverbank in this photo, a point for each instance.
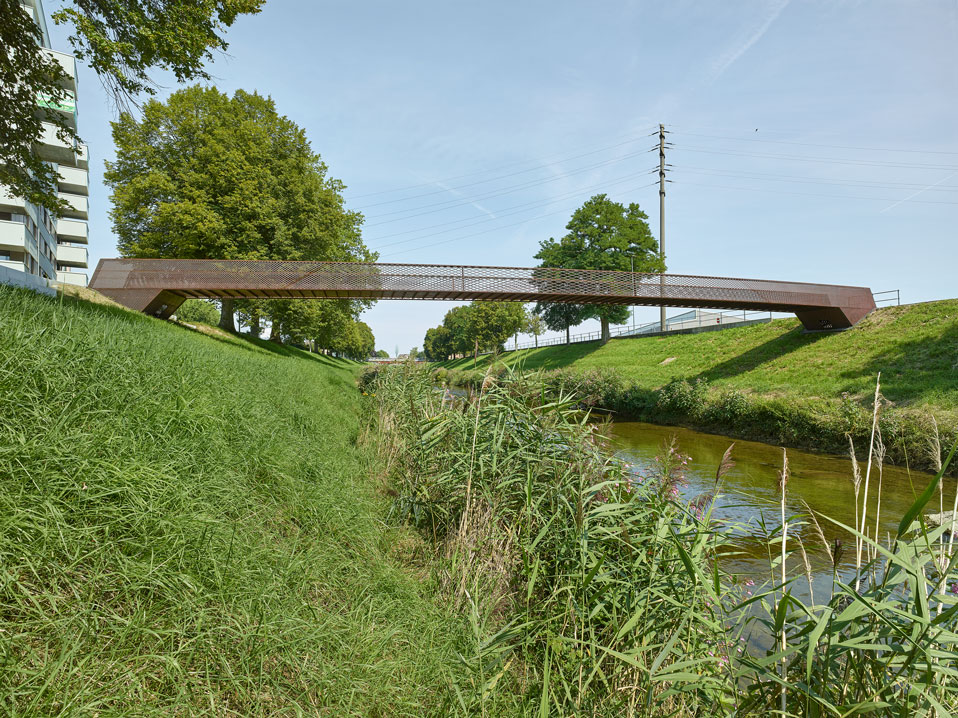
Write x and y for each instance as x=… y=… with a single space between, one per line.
x=770 y=382
x=188 y=526
x=595 y=586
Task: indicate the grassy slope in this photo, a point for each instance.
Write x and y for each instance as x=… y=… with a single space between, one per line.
x=915 y=347
x=187 y=526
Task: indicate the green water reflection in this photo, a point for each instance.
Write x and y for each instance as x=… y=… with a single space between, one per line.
x=821 y=481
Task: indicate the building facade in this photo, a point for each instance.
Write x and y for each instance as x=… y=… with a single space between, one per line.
x=31 y=239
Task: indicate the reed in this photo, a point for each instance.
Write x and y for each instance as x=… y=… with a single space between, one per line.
x=608 y=595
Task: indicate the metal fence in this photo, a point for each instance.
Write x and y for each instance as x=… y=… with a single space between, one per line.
x=724 y=319
x=892 y=296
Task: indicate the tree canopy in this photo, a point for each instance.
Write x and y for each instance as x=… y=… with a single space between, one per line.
x=208 y=176
x=473 y=328
x=198 y=310
x=123 y=41
x=606 y=235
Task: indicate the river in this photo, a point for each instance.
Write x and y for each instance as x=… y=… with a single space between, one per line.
x=818 y=482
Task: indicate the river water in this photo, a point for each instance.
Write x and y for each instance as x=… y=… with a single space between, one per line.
x=818 y=482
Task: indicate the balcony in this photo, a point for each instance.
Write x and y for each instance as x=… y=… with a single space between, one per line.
x=74 y=180
x=66 y=106
x=82 y=157
x=77 y=278
x=54 y=149
x=72 y=256
x=13 y=235
x=71 y=230
x=69 y=65
x=78 y=207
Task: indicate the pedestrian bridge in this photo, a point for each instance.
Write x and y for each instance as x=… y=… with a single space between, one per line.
x=159 y=286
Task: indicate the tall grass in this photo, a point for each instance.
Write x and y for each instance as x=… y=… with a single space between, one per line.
x=594 y=591
x=187 y=528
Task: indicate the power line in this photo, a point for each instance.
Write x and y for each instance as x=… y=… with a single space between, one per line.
x=831 y=147
x=810 y=194
x=449 y=204
x=808 y=180
x=505 y=212
x=823 y=160
x=495 y=229
x=557 y=160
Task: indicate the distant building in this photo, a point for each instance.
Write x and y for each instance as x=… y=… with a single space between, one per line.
x=31 y=240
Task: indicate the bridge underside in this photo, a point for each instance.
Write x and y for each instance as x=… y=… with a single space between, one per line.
x=158 y=286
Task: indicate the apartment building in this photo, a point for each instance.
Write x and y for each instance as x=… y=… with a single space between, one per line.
x=31 y=240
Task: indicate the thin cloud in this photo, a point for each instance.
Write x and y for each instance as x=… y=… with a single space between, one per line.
x=478 y=206
x=728 y=58
x=915 y=194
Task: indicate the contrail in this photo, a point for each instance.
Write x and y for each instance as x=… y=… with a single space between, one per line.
x=915 y=194
x=724 y=62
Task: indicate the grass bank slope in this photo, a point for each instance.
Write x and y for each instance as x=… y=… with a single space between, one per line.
x=811 y=389
x=187 y=527
x=914 y=346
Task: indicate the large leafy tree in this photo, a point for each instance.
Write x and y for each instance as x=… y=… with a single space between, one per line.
x=208 y=176
x=123 y=41
x=438 y=343
x=562 y=317
x=490 y=324
x=604 y=234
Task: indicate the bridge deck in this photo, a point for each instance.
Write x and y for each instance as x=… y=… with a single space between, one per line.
x=159 y=286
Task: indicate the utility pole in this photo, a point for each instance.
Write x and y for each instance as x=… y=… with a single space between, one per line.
x=662 y=218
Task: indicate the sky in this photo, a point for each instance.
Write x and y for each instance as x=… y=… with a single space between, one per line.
x=809 y=141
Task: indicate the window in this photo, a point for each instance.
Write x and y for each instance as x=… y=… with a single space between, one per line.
x=6 y=216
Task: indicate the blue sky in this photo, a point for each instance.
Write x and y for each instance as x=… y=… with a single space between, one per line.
x=812 y=141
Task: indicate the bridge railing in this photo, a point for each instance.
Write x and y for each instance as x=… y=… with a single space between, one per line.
x=649 y=328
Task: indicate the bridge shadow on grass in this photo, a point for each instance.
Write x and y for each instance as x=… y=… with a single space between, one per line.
x=755 y=357
x=260 y=346
x=553 y=357
x=916 y=369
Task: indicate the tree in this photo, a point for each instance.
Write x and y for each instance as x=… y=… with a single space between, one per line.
x=561 y=317
x=457 y=322
x=535 y=325
x=198 y=310
x=382 y=354
x=604 y=235
x=437 y=345
x=490 y=324
x=208 y=176
x=122 y=40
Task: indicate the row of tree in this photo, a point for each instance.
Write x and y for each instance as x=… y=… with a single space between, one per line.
x=602 y=234
x=480 y=326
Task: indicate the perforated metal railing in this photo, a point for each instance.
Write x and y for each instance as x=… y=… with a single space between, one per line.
x=159 y=285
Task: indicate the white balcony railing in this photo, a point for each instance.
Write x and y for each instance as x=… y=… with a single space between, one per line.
x=78 y=206
x=74 y=180
x=71 y=230
x=77 y=278
x=74 y=256
x=13 y=235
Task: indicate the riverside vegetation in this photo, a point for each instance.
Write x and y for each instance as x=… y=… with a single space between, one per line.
x=187 y=528
x=770 y=382
x=594 y=591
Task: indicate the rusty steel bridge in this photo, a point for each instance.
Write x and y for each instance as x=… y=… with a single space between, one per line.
x=159 y=286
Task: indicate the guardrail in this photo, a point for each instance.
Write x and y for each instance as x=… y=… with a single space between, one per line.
x=648 y=329
x=889 y=299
